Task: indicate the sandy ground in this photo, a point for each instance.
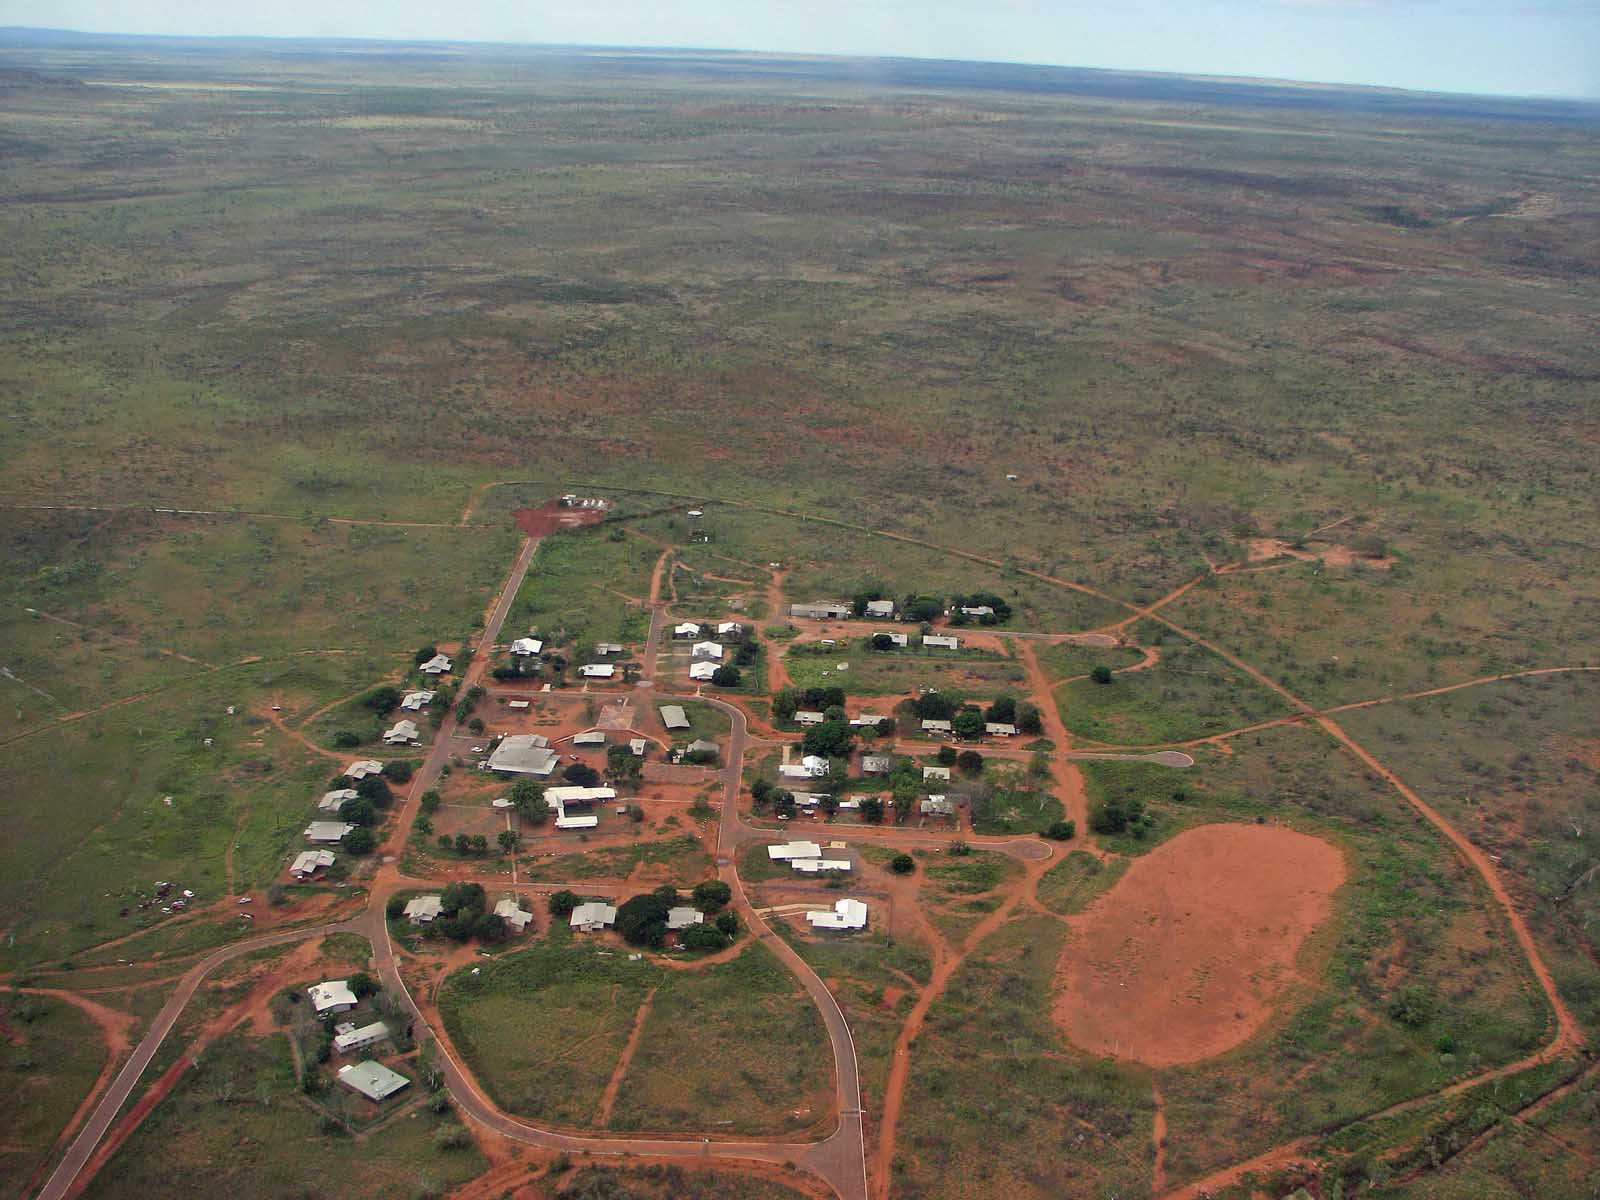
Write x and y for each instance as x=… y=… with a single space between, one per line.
x=1261 y=549
x=1187 y=955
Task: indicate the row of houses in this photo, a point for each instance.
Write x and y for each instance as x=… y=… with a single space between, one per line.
x=876 y=610
x=691 y=629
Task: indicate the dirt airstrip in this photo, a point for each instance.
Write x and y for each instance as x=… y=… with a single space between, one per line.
x=1186 y=956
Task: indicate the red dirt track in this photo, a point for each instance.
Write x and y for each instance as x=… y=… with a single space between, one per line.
x=1187 y=955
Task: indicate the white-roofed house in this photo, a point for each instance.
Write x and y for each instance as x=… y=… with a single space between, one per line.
x=939 y=641
x=877 y=764
x=524 y=754
x=608 y=648
x=937 y=806
x=977 y=610
x=702 y=672
x=878 y=609
x=936 y=773
x=349 y=1036
x=711 y=651
x=730 y=629
x=373 y=1080
x=308 y=862
x=846 y=914
x=416 y=701
x=688 y=629
x=363 y=767
x=901 y=640
x=866 y=719
x=809 y=767
x=512 y=913
x=327 y=831
x=683 y=916
x=702 y=746
x=935 y=725
x=814 y=866
x=673 y=716
x=590 y=737
x=785 y=851
x=526 y=646
x=333 y=801
x=822 y=610
x=637 y=746
x=422 y=909
x=439 y=664
x=597 y=670
x=1000 y=729
x=402 y=733
x=593 y=916
x=809 y=716
x=331 y=996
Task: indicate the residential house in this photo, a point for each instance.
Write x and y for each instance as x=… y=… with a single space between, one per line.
x=877 y=764
x=403 y=733
x=683 y=916
x=308 y=862
x=422 y=909
x=815 y=866
x=935 y=726
x=902 y=640
x=807 y=716
x=730 y=629
x=597 y=671
x=939 y=641
x=331 y=996
x=846 y=914
x=604 y=648
x=373 y=1080
x=593 y=916
x=519 y=705
x=785 y=851
x=416 y=701
x=361 y=768
x=880 y=609
x=702 y=745
x=710 y=651
x=809 y=767
x=673 y=716
x=348 y=1036
x=1000 y=729
x=937 y=806
x=936 y=773
x=688 y=629
x=524 y=754
x=824 y=610
x=702 y=672
x=439 y=664
x=511 y=912
x=590 y=737
x=333 y=801
x=808 y=799
x=637 y=747
x=867 y=721
x=526 y=646
x=327 y=831
x=977 y=610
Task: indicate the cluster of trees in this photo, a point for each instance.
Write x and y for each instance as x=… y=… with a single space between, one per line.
x=727 y=676
x=642 y=919
x=463 y=915
x=967 y=720
x=1122 y=814
x=366 y=810
x=623 y=765
x=789 y=701
x=833 y=738
x=1001 y=614
x=969 y=761
x=1011 y=711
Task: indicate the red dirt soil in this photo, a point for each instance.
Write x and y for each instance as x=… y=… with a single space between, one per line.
x=547 y=518
x=1186 y=956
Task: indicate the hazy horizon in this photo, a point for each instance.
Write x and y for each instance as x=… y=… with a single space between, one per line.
x=1530 y=48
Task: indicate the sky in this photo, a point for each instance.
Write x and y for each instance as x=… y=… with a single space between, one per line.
x=1500 y=47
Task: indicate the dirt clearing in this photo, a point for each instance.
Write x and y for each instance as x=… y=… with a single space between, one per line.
x=1185 y=957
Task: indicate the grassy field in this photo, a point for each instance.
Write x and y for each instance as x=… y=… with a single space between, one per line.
x=665 y=1181
x=737 y=1047
x=236 y=1120
x=680 y=859
x=578 y=592
x=896 y=672
x=1074 y=883
x=54 y=1057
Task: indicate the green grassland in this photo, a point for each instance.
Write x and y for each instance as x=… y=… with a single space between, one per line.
x=1066 y=660
x=575 y=591
x=55 y=1054
x=896 y=672
x=1189 y=693
x=736 y=1046
x=236 y=1119
x=683 y=859
x=668 y=1181
x=1075 y=882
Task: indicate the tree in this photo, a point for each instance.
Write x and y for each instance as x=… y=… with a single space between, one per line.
x=345 y=740
x=785 y=704
x=359 y=840
x=933 y=706
x=711 y=894
x=761 y=794
x=906 y=792
x=508 y=840
x=359 y=811
x=376 y=789
x=1120 y=815
x=430 y=802
x=424 y=654
x=1004 y=709
x=527 y=797
x=480 y=844
x=902 y=864
x=727 y=676
x=1027 y=719
x=922 y=608
x=623 y=764
x=872 y=809
x=970 y=761
x=446 y=842
x=703 y=939
x=882 y=641
x=968 y=723
x=362 y=985
x=395 y=908
x=581 y=774
x=563 y=902
x=831 y=739
x=398 y=770
x=382 y=699
x=457 y=896
x=886 y=727
x=1061 y=831
x=784 y=805
x=476 y=726
x=728 y=922
x=642 y=920
x=463 y=844
x=1101 y=674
